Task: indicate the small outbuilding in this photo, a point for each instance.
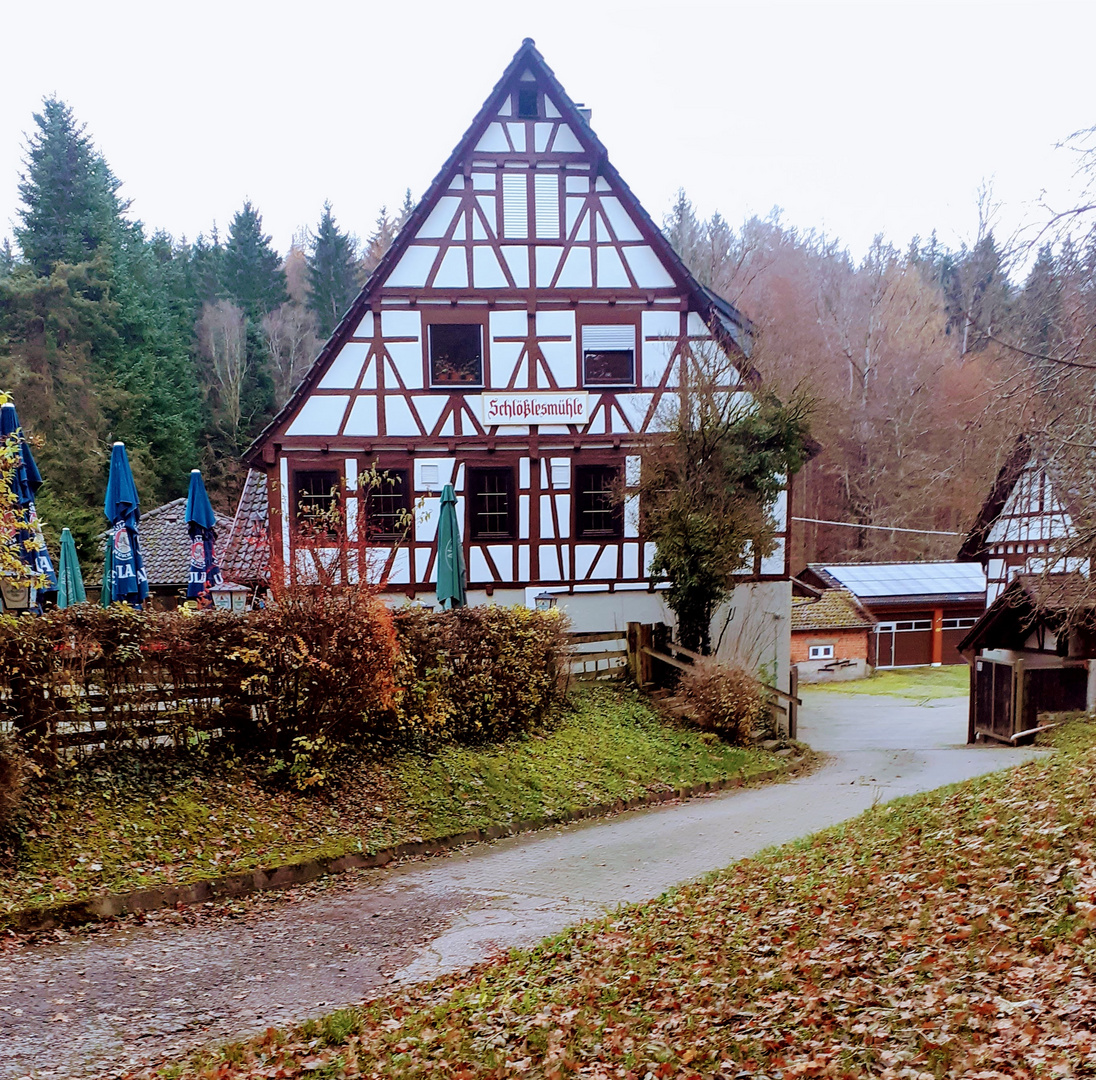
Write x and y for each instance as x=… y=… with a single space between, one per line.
x=831 y=635
x=921 y=610
x=1031 y=653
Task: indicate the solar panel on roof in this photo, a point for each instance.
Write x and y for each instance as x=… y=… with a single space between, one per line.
x=910 y=579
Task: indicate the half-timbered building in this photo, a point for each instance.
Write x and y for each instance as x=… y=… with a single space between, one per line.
x=1034 y=650
x=521 y=340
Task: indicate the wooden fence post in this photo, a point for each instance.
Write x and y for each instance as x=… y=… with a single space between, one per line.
x=793 y=705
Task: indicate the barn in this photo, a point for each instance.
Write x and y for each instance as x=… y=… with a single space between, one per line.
x=921 y=610
x=522 y=340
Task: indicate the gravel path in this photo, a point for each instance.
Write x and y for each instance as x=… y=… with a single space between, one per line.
x=92 y=1003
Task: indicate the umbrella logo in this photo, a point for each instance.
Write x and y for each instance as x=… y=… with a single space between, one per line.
x=197 y=553
x=122 y=546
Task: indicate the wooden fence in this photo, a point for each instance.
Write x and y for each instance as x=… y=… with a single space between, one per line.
x=650 y=645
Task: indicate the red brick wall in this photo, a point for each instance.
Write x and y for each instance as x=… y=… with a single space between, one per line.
x=847 y=644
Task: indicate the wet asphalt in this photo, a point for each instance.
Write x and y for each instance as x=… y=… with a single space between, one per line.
x=94 y=1004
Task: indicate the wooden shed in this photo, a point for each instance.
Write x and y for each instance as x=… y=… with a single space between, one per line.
x=1031 y=653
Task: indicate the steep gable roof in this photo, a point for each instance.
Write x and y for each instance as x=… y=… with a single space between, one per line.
x=728 y=325
x=246 y=558
x=975 y=542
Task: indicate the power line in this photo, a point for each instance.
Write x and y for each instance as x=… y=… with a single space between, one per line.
x=881 y=528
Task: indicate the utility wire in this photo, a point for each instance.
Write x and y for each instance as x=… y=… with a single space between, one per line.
x=881 y=528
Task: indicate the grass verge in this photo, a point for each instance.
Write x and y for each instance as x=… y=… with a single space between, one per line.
x=918 y=683
x=944 y=935
x=140 y=821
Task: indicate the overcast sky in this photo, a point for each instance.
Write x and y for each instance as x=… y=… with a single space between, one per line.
x=853 y=118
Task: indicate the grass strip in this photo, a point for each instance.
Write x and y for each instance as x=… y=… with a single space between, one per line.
x=138 y=821
x=943 y=935
x=915 y=683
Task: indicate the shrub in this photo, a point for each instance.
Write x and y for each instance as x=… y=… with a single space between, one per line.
x=12 y=772
x=478 y=673
x=722 y=699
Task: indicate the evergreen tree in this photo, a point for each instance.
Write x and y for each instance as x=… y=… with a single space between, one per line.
x=406 y=210
x=69 y=195
x=251 y=270
x=1040 y=305
x=332 y=273
x=685 y=231
x=380 y=240
x=7 y=259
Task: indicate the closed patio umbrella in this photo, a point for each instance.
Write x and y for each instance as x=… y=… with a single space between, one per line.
x=124 y=570
x=30 y=545
x=70 y=582
x=451 y=575
x=204 y=573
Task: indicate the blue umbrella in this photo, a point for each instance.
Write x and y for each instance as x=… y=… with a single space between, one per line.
x=25 y=482
x=204 y=573
x=124 y=572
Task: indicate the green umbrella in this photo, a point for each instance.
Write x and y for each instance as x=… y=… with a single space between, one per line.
x=450 y=554
x=70 y=582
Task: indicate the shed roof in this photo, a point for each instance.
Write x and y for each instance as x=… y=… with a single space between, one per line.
x=905 y=581
x=246 y=557
x=165 y=545
x=835 y=609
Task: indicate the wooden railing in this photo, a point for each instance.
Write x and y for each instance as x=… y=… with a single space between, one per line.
x=650 y=643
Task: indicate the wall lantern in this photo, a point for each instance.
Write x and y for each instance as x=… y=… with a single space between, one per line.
x=545 y=601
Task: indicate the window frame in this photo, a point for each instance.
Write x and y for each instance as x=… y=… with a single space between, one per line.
x=333 y=498
x=616 y=510
x=473 y=496
x=524 y=114
x=602 y=320
x=818 y=652
x=428 y=351
x=407 y=501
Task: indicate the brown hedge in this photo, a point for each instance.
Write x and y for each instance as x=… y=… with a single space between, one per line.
x=293 y=681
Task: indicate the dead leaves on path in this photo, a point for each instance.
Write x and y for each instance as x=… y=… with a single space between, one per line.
x=949 y=935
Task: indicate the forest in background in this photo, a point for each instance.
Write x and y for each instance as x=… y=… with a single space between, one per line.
x=923 y=363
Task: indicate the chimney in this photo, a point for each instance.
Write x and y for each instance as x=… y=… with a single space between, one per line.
x=584 y=112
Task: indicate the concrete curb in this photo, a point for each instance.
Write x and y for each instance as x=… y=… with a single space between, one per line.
x=111 y=905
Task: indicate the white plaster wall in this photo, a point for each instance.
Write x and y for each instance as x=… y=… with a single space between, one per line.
x=812 y=671
x=753 y=629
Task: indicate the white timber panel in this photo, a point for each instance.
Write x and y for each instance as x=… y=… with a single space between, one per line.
x=547 y=528
x=350 y=472
x=509 y=324
x=632 y=465
x=400 y=573
x=482 y=181
x=504 y=355
x=657 y=355
x=413 y=267
x=631 y=516
x=441 y=217
x=346 y=368
x=284 y=500
x=517 y=259
x=630 y=561
x=398 y=418
x=619 y=219
x=365 y=327
x=610 y=270
x=363 y=416
x=563 y=511
x=584 y=559
x=503 y=557
x=577 y=184
x=548 y=563
x=565 y=141
x=429 y=407
x=523 y=562
x=774 y=562
x=696 y=326
x=576 y=272
x=523 y=473
x=648 y=558
x=401 y=324
x=517 y=136
x=487 y=272
x=478 y=570
x=453 y=272
x=547 y=260
x=422 y=560
x=541 y=134
x=320 y=414
x=493 y=140
x=549 y=107
x=523 y=517
x=405 y=357
x=606 y=565
x=647 y=268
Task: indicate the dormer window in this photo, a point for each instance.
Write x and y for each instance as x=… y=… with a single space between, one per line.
x=456 y=354
x=527 y=103
x=609 y=355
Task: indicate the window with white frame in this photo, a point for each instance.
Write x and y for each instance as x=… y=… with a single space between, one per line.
x=609 y=355
x=820 y=652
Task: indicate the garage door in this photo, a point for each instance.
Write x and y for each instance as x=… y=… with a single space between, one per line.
x=905 y=643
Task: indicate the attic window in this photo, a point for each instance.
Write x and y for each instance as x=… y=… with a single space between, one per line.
x=456 y=354
x=609 y=355
x=527 y=103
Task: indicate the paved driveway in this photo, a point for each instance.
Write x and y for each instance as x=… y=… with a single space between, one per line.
x=126 y=995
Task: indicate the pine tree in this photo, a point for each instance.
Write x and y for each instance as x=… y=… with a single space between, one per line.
x=251 y=270
x=69 y=195
x=332 y=273
x=7 y=259
x=406 y=210
x=380 y=240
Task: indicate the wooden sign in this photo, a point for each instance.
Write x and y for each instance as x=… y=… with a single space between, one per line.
x=512 y=409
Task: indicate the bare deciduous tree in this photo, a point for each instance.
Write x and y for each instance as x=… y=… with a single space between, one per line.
x=290 y=335
x=222 y=340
